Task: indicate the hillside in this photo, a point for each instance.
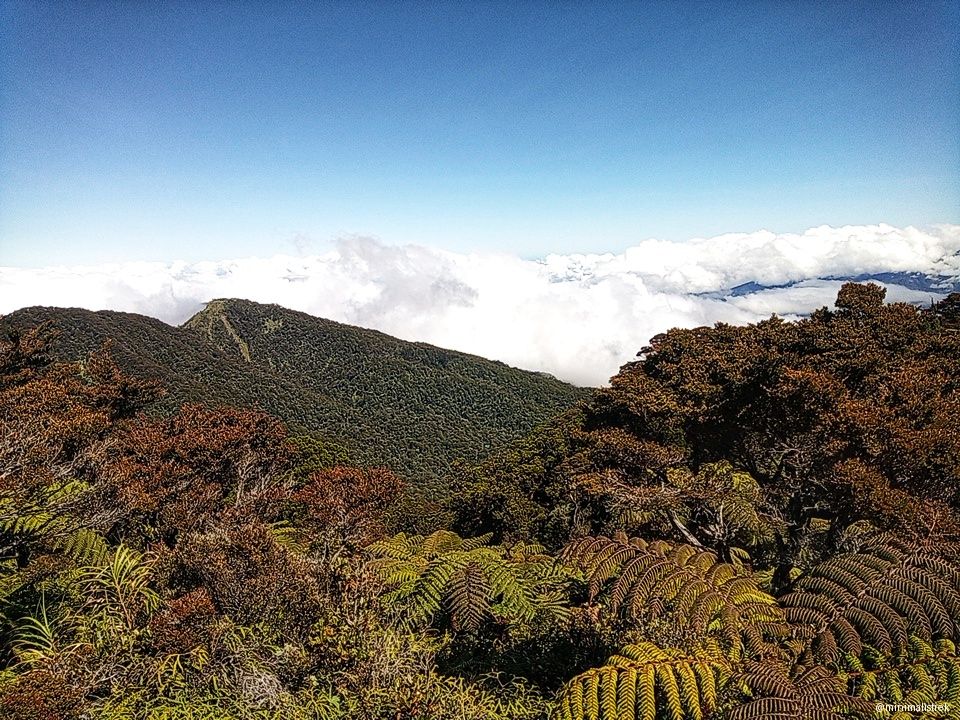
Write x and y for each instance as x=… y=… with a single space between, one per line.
x=411 y=406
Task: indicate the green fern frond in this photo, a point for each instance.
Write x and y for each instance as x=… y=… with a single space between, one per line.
x=289 y=536
x=464 y=580
x=85 y=546
x=43 y=511
x=647 y=580
x=641 y=679
x=923 y=673
x=398 y=547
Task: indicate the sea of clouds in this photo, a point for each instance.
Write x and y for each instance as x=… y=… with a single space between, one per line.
x=578 y=317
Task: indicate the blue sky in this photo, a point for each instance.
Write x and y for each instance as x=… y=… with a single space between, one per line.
x=188 y=131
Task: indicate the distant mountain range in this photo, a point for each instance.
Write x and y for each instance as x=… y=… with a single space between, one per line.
x=413 y=407
x=935 y=284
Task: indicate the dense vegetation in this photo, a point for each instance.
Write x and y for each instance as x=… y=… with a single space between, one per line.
x=750 y=522
x=410 y=406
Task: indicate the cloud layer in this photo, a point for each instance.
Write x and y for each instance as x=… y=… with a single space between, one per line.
x=577 y=316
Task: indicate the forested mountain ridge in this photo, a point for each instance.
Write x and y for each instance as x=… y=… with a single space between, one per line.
x=379 y=384
x=411 y=406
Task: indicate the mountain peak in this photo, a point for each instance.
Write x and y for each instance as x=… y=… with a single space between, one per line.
x=386 y=400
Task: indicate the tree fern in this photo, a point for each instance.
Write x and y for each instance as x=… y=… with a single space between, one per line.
x=466 y=579
x=654 y=579
x=42 y=512
x=923 y=674
x=777 y=692
x=880 y=596
x=645 y=682
x=85 y=546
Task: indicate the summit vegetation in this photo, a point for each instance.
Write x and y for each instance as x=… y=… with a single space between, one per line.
x=749 y=522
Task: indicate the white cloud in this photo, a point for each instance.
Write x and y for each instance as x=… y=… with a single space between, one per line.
x=577 y=316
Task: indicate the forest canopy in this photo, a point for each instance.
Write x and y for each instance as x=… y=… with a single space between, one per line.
x=749 y=522
x=384 y=401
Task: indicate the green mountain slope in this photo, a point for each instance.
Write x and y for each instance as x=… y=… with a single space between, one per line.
x=411 y=406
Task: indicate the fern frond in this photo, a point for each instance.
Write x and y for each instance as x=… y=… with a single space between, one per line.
x=469 y=597
x=923 y=673
x=289 y=536
x=85 y=546
x=794 y=694
x=641 y=678
x=698 y=593
x=443 y=577
x=879 y=597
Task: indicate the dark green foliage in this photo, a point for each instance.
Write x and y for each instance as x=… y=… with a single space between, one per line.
x=316 y=453
x=415 y=406
x=520 y=492
x=947 y=312
x=410 y=406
